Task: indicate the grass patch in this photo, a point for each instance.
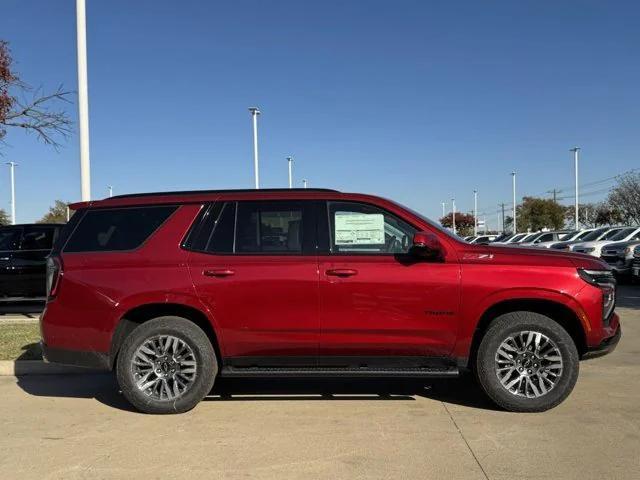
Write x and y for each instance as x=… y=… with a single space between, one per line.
x=20 y=341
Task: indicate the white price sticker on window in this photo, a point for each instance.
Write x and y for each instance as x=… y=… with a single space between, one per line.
x=359 y=228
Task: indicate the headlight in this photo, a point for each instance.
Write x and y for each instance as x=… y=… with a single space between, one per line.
x=588 y=250
x=628 y=251
x=604 y=280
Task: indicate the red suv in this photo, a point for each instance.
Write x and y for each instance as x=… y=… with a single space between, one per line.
x=174 y=289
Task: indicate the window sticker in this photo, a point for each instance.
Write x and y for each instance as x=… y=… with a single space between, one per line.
x=359 y=228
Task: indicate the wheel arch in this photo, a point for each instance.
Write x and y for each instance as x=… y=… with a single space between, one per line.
x=143 y=313
x=556 y=311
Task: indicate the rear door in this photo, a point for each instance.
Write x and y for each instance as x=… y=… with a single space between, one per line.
x=29 y=261
x=9 y=241
x=254 y=266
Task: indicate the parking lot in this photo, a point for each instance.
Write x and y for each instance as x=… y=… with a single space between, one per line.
x=78 y=426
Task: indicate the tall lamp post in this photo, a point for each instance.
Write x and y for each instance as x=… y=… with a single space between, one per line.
x=475 y=212
x=290 y=162
x=443 y=212
x=453 y=215
x=304 y=183
x=513 y=178
x=83 y=100
x=12 y=167
x=254 y=113
x=110 y=189
x=575 y=151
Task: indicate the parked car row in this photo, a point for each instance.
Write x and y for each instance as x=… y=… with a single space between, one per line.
x=618 y=246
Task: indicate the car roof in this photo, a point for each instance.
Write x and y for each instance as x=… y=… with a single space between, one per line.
x=20 y=225
x=197 y=196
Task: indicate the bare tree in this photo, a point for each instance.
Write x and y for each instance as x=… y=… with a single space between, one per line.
x=23 y=107
x=625 y=198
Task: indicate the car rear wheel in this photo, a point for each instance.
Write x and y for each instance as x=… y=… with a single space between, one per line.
x=526 y=362
x=166 y=365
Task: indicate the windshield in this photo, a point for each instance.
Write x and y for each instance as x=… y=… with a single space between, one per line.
x=609 y=235
x=566 y=236
x=529 y=238
x=517 y=238
x=583 y=235
x=622 y=234
x=594 y=235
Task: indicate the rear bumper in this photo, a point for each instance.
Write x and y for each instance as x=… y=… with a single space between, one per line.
x=77 y=358
x=608 y=345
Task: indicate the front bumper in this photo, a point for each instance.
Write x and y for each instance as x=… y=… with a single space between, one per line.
x=93 y=360
x=608 y=345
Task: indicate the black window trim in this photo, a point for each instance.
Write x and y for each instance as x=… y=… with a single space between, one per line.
x=175 y=206
x=329 y=250
x=309 y=246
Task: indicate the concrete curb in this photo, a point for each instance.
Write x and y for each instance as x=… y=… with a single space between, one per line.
x=38 y=367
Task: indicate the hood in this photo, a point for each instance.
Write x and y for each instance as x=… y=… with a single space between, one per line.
x=540 y=256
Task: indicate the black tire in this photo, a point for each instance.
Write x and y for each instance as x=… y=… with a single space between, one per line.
x=486 y=371
x=205 y=371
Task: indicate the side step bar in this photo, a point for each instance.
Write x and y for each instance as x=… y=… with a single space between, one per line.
x=320 y=372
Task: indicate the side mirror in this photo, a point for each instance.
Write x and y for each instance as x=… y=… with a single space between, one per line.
x=427 y=245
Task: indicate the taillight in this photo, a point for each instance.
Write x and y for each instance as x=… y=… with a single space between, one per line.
x=54 y=271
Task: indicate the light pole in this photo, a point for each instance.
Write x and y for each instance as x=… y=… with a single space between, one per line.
x=575 y=151
x=254 y=113
x=290 y=161
x=83 y=100
x=513 y=175
x=453 y=215
x=443 y=212
x=304 y=183
x=12 y=167
x=475 y=212
x=110 y=188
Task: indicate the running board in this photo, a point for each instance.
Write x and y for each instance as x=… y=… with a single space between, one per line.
x=319 y=372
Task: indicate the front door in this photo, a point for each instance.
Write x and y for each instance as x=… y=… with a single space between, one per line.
x=376 y=298
x=254 y=267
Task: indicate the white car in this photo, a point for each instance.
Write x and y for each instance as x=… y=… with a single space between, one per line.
x=565 y=237
x=483 y=239
x=621 y=234
x=545 y=239
x=512 y=239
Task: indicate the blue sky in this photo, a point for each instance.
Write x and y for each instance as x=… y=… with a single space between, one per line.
x=420 y=101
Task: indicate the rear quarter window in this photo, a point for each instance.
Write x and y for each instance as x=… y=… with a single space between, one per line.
x=116 y=229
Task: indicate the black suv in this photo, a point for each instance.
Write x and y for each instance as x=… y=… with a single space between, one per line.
x=23 y=253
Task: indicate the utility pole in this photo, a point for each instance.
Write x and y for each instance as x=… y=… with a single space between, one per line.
x=83 y=100
x=12 y=167
x=453 y=215
x=502 y=205
x=110 y=188
x=290 y=161
x=513 y=175
x=575 y=151
x=304 y=183
x=254 y=113
x=475 y=212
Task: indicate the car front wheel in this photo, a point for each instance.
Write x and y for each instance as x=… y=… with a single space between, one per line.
x=526 y=362
x=166 y=365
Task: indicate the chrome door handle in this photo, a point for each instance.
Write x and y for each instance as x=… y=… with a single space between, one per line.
x=342 y=272
x=218 y=272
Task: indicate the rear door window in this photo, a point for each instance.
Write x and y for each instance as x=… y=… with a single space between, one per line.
x=37 y=238
x=262 y=227
x=117 y=229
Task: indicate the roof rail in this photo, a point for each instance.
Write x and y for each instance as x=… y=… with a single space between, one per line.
x=241 y=190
